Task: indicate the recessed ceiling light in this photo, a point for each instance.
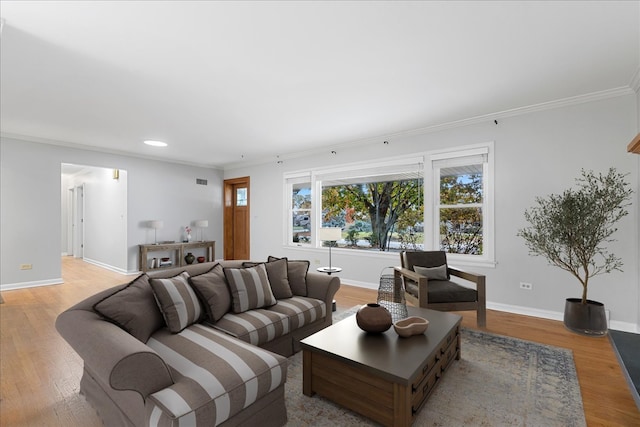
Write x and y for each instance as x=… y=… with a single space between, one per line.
x=155 y=143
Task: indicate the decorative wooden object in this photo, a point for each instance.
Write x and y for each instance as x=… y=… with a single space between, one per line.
x=179 y=249
x=634 y=145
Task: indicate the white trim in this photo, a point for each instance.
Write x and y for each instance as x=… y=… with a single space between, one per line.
x=487 y=259
x=106 y=266
x=555 y=315
x=33 y=284
x=39 y=140
x=490 y=117
x=359 y=284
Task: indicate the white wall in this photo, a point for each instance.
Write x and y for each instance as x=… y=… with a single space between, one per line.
x=535 y=154
x=30 y=205
x=105 y=216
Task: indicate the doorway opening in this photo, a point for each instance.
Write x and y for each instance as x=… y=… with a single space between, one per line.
x=94 y=215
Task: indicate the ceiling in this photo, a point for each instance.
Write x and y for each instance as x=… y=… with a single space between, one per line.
x=230 y=82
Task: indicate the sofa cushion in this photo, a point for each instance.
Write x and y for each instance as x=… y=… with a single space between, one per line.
x=133 y=308
x=301 y=310
x=278 y=277
x=256 y=326
x=432 y=273
x=177 y=301
x=249 y=287
x=213 y=290
x=297 y=274
x=216 y=376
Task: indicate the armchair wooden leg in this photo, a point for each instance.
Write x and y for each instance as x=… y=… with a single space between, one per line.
x=482 y=317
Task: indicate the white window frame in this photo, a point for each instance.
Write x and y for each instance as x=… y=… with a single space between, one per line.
x=290 y=179
x=470 y=155
x=431 y=198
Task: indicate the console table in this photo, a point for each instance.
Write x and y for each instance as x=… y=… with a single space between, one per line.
x=179 y=249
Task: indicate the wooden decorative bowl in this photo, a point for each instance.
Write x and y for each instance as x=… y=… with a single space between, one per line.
x=411 y=326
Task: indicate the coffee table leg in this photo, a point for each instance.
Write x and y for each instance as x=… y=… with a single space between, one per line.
x=307 y=386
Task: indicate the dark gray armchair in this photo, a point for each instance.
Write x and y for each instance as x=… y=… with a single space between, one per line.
x=427 y=281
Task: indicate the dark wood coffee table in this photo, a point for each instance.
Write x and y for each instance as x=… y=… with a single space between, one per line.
x=384 y=377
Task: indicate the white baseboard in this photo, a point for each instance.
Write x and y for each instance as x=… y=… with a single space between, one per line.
x=106 y=266
x=556 y=315
x=525 y=311
x=33 y=284
x=359 y=284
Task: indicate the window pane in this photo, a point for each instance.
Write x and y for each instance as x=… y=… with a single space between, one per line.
x=241 y=197
x=461 y=185
x=461 y=230
x=383 y=215
x=301 y=213
x=301 y=196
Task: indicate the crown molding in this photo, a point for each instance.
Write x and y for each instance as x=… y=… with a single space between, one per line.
x=564 y=102
x=559 y=103
x=76 y=146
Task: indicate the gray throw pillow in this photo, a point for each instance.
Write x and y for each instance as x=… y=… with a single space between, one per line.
x=278 y=277
x=297 y=273
x=177 y=301
x=250 y=288
x=133 y=308
x=213 y=290
x=432 y=273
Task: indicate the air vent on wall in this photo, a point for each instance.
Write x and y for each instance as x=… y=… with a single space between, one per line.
x=201 y=181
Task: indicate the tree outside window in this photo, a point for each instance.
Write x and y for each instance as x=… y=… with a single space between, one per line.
x=381 y=215
x=381 y=206
x=460 y=210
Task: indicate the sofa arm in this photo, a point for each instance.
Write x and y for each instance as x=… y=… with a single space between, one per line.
x=322 y=287
x=112 y=354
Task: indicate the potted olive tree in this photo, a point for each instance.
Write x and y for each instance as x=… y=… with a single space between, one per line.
x=572 y=230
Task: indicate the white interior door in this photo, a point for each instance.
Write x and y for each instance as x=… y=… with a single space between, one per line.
x=77 y=228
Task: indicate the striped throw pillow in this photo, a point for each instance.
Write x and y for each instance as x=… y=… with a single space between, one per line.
x=250 y=288
x=177 y=301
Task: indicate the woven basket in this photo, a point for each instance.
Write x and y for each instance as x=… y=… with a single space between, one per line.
x=391 y=295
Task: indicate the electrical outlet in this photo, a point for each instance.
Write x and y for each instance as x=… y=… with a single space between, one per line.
x=526 y=286
x=316 y=261
x=26 y=266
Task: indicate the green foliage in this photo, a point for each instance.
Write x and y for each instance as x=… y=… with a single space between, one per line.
x=461 y=230
x=571 y=229
x=461 y=227
x=454 y=190
x=382 y=202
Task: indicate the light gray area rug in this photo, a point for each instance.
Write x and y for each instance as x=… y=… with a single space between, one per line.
x=499 y=381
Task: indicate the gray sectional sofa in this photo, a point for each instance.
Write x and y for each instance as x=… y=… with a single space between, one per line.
x=204 y=344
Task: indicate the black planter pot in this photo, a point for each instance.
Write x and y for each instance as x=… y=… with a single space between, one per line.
x=586 y=319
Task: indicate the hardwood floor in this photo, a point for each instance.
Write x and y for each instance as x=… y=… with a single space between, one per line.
x=40 y=374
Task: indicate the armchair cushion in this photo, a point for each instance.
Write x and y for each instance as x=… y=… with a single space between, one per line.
x=432 y=273
x=428 y=259
x=443 y=291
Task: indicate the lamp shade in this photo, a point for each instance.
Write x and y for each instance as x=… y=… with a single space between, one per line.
x=329 y=234
x=201 y=223
x=156 y=224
